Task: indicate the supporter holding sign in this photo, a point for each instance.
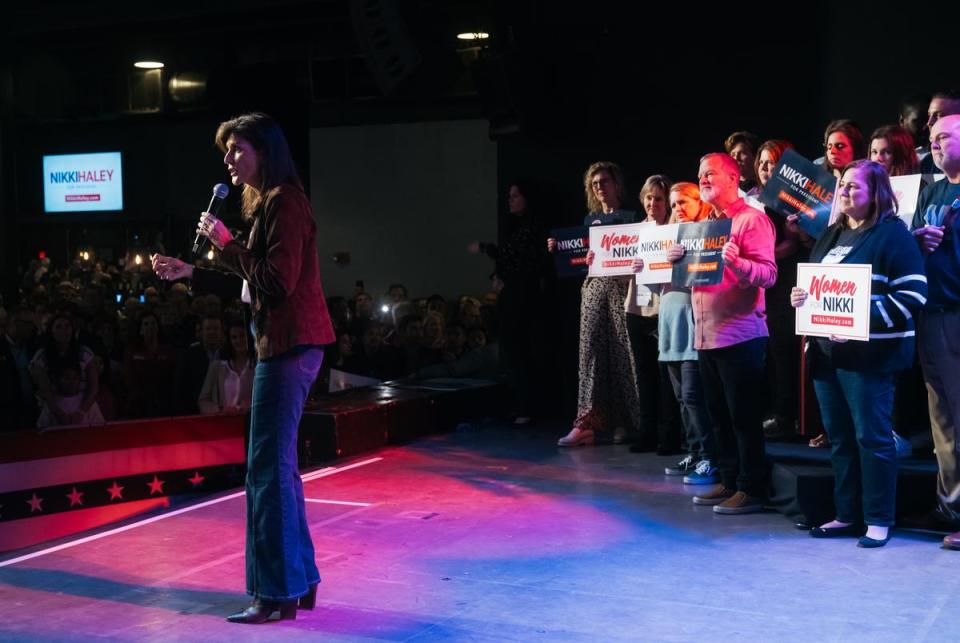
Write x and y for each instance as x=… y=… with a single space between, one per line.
x=660 y=419
x=783 y=351
x=677 y=354
x=854 y=381
x=607 y=396
x=731 y=339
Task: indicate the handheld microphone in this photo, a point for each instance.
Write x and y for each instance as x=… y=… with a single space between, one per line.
x=220 y=192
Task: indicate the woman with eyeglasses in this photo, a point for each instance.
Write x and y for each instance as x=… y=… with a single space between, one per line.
x=607 y=402
x=854 y=381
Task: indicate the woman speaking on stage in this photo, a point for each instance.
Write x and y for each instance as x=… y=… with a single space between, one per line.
x=279 y=266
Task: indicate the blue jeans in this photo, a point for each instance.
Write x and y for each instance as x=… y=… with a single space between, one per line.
x=279 y=555
x=856 y=407
x=688 y=389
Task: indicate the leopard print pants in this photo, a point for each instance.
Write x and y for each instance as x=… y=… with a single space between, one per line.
x=608 y=379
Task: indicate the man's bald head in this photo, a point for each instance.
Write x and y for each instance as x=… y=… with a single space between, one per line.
x=945 y=144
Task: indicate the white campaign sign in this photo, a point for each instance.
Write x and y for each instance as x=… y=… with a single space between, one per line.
x=838 y=300
x=655 y=241
x=614 y=248
x=907 y=190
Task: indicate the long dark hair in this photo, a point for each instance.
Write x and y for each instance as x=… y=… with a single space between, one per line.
x=228 y=353
x=273 y=155
x=901 y=146
x=851 y=130
x=51 y=353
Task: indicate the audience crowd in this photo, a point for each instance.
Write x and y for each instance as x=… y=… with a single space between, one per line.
x=90 y=342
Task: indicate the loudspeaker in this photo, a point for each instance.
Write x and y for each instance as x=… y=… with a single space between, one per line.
x=390 y=51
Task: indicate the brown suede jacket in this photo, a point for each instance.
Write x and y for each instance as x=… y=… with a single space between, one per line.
x=281 y=264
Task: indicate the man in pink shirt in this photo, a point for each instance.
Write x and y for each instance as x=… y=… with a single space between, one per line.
x=731 y=339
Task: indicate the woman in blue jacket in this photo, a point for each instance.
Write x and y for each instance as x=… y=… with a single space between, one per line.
x=855 y=381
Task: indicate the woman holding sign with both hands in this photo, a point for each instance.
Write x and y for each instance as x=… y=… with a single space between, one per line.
x=854 y=381
x=607 y=396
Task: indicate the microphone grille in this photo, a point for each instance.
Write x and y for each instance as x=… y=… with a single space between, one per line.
x=221 y=191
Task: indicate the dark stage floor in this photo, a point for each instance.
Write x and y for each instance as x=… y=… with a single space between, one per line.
x=492 y=535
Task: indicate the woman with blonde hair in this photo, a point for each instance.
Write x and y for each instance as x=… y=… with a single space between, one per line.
x=679 y=357
x=607 y=397
x=660 y=418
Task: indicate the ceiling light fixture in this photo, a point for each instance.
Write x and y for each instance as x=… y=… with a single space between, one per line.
x=148 y=64
x=473 y=35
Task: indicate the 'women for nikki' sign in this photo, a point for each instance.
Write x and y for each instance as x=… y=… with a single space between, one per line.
x=838 y=300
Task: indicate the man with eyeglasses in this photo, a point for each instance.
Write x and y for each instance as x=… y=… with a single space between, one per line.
x=938 y=331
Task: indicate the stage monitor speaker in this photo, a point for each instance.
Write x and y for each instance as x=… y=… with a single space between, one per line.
x=390 y=51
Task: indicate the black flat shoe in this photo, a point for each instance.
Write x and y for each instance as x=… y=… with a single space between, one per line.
x=309 y=600
x=869 y=543
x=261 y=611
x=836 y=532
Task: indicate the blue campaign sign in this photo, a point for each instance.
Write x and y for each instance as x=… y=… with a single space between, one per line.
x=801 y=187
x=702 y=263
x=570 y=257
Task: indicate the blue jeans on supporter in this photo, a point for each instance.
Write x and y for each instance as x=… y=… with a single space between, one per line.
x=688 y=389
x=279 y=555
x=857 y=407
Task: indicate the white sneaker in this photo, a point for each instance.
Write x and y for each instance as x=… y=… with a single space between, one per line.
x=576 y=437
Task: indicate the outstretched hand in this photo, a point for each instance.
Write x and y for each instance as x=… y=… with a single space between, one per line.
x=170 y=268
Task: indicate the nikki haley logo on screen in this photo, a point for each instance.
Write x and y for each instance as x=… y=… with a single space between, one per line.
x=82 y=182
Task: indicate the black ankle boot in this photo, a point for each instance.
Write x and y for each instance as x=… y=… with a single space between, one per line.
x=309 y=600
x=261 y=610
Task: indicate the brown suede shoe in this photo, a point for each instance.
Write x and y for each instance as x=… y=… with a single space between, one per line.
x=952 y=541
x=714 y=497
x=739 y=503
